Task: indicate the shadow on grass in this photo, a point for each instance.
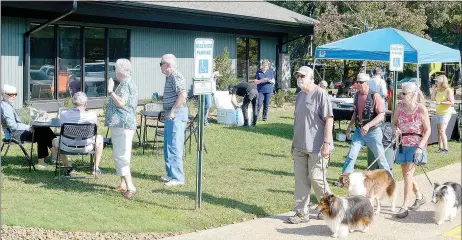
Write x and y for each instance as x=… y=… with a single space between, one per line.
x=274 y=172
x=281 y=191
x=274 y=155
x=282 y=130
x=223 y=201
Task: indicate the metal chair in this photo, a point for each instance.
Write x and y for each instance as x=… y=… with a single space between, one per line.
x=192 y=129
x=77 y=132
x=159 y=130
x=14 y=141
x=150 y=107
x=108 y=141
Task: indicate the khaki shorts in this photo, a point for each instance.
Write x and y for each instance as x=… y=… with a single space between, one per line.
x=99 y=143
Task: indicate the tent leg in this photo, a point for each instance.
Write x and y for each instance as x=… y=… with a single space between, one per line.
x=418 y=78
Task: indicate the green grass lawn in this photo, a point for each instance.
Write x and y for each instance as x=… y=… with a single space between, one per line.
x=248 y=173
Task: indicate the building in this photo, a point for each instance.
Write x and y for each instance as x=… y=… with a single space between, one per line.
x=51 y=49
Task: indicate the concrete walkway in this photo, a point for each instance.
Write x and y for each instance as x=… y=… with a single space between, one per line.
x=418 y=225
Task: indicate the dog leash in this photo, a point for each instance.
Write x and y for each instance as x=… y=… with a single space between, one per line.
x=382 y=153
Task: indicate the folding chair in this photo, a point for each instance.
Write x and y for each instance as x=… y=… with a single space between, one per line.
x=149 y=107
x=159 y=130
x=192 y=129
x=13 y=141
x=77 y=132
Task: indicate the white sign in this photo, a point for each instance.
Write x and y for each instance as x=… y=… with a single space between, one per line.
x=202 y=87
x=396 y=57
x=203 y=58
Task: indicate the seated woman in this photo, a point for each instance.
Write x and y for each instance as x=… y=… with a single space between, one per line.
x=22 y=131
x=79 y=114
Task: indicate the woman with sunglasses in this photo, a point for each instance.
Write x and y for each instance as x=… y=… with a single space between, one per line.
x=413 y=125
x=443 y=96
x=21 y=131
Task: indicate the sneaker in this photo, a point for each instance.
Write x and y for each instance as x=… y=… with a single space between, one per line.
x=444 y=151
x=402 y=213
x=40 y=166
x=245 y=126
x=165 y=178
x=97 y=172
x=417 y=203
x=439 y=150
x=320 y=216
x=54 y=159
x=173 y=183
x=71 y=172
x=298 y=218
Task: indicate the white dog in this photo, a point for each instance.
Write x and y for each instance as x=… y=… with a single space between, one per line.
x=447 y=198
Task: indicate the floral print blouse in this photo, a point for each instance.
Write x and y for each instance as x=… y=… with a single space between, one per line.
x=124 y=117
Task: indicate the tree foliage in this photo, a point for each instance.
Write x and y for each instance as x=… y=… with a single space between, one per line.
x=224 y=66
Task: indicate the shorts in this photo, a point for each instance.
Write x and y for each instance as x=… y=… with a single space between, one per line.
x=441 y=119
x=407 y=154
x=88 y=148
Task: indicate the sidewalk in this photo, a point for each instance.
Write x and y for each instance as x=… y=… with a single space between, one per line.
x=418 y=225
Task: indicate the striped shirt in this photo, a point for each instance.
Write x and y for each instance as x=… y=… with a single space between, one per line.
x=174 y=85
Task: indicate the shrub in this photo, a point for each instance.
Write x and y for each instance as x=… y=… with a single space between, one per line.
x=279 y=98
x=227 y=76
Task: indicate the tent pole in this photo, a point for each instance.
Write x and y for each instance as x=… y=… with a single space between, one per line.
x=395 y=89
x=418 y=79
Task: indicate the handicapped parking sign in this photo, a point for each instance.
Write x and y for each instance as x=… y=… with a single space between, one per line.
x=203 y=66
x=396 y=57
x=396 y=62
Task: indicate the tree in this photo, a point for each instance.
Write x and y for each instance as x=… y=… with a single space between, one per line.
x=223 y=65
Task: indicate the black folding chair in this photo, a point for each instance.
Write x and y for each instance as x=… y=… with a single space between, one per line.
x=193 y=130
x=14 y=141
x=160 y=125
x=77 y=132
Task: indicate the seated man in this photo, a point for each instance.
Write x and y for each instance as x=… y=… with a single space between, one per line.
x=43 y=135
x=369 y=113
x=250 y=94
x=79 y=115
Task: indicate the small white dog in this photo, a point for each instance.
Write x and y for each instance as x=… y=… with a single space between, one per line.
x=447 y=198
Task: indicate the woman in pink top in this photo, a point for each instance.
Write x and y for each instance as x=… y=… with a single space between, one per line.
x=413 y=124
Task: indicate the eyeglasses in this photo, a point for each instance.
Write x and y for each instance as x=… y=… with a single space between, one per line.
x=404 y=93
x=161 y=63
x=300 y=76
x=12 y=94
x=359 y=82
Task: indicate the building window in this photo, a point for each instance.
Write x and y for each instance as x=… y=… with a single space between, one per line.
x=42 y=64
x=248 y=57
x=69 y=76
x=95 y=66
x=70 y=48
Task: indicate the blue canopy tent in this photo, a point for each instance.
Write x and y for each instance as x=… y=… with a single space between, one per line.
x=375 y=46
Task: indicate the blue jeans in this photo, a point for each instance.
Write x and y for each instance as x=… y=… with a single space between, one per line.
x=174 y=143
x=208 y=105
x=373 y=140
x=264 y=99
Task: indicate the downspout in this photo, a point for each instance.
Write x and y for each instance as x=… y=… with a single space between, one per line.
x=26 y=68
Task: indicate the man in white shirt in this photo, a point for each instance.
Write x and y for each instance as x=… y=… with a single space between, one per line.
x=378 y=85
x=79 y=114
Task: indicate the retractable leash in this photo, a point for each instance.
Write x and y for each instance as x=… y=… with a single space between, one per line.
x=382 y=153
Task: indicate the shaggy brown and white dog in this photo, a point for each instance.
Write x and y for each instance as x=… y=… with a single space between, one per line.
x=346 y=214
x=375 y=184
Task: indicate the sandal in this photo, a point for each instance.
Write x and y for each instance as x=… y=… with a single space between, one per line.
x=120 y=189
x=129 y=194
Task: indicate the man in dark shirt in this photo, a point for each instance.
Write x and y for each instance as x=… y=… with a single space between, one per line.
x=250 y=93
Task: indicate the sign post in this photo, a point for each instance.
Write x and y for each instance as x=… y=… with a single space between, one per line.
x=396 y=64
x=203 y=60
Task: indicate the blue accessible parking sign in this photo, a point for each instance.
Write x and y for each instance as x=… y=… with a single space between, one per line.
x=203 y=66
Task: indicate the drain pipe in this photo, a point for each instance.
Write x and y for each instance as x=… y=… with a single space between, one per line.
x=26 y=67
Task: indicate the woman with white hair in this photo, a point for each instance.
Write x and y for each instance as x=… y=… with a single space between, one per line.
x=443 y=96
x=264 y=78
x=121 y=118
x=23 y=131
x=413 y=125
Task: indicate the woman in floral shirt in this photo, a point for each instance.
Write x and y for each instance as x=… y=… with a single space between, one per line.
x=413 y=124
x=121 y=118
